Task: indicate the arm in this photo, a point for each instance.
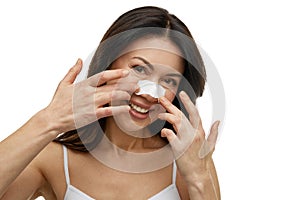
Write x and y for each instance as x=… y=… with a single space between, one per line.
x=205 y=186
x=192 y=151
x=30 y=184
x=19 y=149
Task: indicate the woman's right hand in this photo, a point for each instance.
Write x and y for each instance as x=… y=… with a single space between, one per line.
x=76 y=105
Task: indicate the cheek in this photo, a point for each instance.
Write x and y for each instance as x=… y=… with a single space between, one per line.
x=170 y=95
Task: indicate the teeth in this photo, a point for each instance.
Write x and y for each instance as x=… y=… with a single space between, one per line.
x=139 y=109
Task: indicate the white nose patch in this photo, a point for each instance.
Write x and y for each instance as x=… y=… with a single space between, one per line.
x=151 y=88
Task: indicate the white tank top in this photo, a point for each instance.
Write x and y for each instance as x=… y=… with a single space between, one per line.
x=72 y=193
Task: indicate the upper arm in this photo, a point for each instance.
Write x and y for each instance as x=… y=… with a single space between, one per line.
x=26 y=184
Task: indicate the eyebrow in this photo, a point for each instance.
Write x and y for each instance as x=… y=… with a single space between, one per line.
x=151 y=66
x=144 y=61
x=175 y=75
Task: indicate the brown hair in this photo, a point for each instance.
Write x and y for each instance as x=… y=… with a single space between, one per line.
x=137 y=23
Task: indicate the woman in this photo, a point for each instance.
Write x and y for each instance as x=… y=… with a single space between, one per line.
x=114 y=116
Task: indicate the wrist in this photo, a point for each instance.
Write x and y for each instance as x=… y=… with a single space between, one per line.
x=198 y=172
x=45 y=121
x=201 y=187
x=197 y=178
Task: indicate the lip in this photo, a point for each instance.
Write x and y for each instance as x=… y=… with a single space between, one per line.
x=143 y=103
x=138 y=115
x=140 y=104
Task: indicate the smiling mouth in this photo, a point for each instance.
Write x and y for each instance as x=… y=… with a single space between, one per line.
x=138 y=109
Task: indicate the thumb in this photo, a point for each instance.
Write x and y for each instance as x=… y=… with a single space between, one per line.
x=213 y=136
x=72 y=73
x=209 y=145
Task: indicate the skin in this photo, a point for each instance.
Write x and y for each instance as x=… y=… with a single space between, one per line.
x=165 y=66
x=40 y=170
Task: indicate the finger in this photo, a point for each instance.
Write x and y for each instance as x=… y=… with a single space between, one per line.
x=213 y=135
x=109 y=111
x=118 y=95
x=170 y=135
x=169 y=106
x=208 y=145
x=72 y=74
x=129 y=87
x=191 y=109
x=110 y=97
x=172 y=119
x=107 y=75
x=105 y=88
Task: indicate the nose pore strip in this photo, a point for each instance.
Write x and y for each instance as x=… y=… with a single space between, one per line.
x=150 y=88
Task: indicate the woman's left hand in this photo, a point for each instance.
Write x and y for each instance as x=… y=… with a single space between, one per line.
x=190 y=147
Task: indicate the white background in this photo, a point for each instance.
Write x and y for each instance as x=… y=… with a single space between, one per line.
x=254 y=44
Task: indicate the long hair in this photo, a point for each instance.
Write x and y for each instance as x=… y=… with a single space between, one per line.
x=138 y=23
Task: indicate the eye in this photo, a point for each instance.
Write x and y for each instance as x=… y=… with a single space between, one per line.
x=170 y=82
x=140 y=69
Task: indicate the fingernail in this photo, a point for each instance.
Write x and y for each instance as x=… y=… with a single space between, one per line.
x=182 y=94
x=137 y=89
x=217 y=124
x=78 y=61
x=125 y=72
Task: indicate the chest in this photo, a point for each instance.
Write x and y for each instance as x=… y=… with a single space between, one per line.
x=105 y=183
x=101 y=182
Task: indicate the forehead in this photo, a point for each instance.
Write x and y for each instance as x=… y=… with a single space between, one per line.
x=157 y=51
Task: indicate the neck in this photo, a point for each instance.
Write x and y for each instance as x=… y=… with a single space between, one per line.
x=128 y=142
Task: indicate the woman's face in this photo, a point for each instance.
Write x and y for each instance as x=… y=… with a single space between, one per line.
x=154 y=59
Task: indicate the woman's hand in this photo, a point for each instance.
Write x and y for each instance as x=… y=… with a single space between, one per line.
x=190 y=147
x=76 y=105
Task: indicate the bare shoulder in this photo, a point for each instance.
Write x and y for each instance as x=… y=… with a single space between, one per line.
x=33 y=181
x=50 y=164
x=51 y=154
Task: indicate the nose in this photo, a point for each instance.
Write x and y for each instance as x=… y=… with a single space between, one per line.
x=151 y=89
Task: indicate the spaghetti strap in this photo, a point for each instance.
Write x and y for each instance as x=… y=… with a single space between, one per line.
x=174 y=173
x=66 y=168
